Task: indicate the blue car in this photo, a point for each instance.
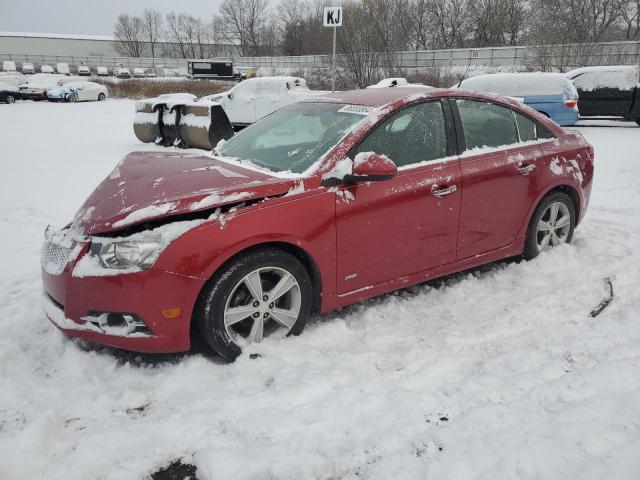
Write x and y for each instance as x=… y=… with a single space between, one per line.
x=549 y=93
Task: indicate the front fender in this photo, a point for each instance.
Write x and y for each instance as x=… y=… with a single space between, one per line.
x=306 y=221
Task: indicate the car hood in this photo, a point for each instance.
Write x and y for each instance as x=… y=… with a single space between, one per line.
x=148 y=186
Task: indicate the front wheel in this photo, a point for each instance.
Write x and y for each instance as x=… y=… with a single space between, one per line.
x=11 y=99
x=101 y=97
x=71 y=99
x=266 y=292
x=552 y=224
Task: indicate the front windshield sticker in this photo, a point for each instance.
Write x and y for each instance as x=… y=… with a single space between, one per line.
x=359 y=109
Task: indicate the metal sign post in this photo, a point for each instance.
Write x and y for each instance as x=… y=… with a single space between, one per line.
x=333 y=18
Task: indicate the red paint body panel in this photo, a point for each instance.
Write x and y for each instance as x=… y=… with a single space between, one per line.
x=363 y=239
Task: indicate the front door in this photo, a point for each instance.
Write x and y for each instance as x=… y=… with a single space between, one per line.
x=389 y=229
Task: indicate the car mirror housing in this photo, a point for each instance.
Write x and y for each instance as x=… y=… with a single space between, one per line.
x=371 y=166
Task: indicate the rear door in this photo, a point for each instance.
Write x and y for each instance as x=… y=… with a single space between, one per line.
x=500 y=174
x=393 y=228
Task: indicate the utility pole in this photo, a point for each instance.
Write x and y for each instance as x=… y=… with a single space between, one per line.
x=333 y=18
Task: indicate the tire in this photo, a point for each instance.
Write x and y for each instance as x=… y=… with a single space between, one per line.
x=100 y=97
x=11 y=99
x=71 y=98
x=230 y=289
x=537 y=239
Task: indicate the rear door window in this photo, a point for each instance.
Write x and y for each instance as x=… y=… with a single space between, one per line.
x=486 y=124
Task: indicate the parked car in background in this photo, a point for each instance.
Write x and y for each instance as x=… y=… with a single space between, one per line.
x=552 y=94
x=9 y=93
x=78 y=92
x=397 y=82
x=46 y=68
x=63 y=68
x=138 y=72
x=102 y=71
x=254 y=98
x=28 y=68
x=324 y=203
x=151 y=73
x=608 y=91
x=84 y=71
x=122 y=72
x=37 y=85
x=9 y=66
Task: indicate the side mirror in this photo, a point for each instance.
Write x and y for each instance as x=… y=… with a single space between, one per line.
x=371 y=167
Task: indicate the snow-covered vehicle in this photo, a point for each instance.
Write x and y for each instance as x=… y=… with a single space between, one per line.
x=46 y=68
x=28 y=68
x=78 y=92
x=255 y=98
x=552 y=94
x=608 y=91
x=397 y=82
x=242 y=105
x=102 y=71
x=37 y=86
x=9 y=93
x=139 y=72
x=122 y=72
x=63 y=68
x=84 y=71
x=9 y=66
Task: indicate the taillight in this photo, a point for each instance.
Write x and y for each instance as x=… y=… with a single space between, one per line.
x=571 y=103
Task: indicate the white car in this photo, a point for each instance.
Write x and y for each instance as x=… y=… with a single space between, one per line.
x=102 y=71
x=255 y=98
x=46 y=68
x=28 y=68
x=138 y=72
x=8 y=66
x=122 y=72
x=84 y=70
x=397 y=82
x=63 y=68
x=78 y=92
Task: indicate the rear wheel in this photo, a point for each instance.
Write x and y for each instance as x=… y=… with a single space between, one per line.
x=11 y=99
x=265 y=293
x=101 y=97
x=71 y=98
x=552 y=224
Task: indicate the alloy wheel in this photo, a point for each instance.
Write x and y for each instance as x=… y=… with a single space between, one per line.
x=554 y=226
x=264 y=301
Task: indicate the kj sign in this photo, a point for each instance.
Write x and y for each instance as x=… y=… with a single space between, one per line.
x=332 y=17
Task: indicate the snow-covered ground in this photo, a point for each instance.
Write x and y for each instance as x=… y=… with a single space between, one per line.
x=495 y=374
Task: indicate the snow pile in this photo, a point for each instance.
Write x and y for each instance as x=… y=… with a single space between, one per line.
x=152 y=211
x=622 y=77
x=519 y=84
x=496 y=373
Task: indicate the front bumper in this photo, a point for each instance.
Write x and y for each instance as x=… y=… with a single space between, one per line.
x=76 y=305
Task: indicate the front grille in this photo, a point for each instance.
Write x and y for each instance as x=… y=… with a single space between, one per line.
x=54 y=258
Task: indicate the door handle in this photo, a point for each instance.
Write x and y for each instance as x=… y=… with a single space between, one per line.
x=526 y=169
x=443 y=192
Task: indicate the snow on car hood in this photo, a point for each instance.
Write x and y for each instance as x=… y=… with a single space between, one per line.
x=147 y=186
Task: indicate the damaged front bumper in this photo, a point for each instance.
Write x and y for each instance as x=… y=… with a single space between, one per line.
x=120 y=310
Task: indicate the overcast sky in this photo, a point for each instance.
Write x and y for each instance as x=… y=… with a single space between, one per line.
x=93 y=17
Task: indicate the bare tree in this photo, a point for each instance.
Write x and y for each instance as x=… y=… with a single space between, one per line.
x=128 y=34
x=151 y=29
x=245 y=21
x=631 y=20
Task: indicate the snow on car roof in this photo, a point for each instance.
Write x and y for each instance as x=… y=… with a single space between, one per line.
x=623 y=77
x=374 y=97
x=518 y=84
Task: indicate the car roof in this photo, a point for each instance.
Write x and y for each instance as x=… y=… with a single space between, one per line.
x=378 y=97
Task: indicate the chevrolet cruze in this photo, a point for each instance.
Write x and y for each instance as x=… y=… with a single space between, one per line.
x=319 y=205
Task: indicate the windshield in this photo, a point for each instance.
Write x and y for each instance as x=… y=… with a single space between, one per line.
x=293 y=138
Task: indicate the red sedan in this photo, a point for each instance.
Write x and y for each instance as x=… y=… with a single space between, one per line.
x=319 y=205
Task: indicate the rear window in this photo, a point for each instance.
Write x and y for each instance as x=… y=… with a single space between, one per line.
x=486 y=124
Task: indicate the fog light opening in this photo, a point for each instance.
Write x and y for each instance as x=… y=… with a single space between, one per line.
x=119 y=324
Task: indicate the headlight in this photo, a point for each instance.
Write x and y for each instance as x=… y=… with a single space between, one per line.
x=126 y=253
